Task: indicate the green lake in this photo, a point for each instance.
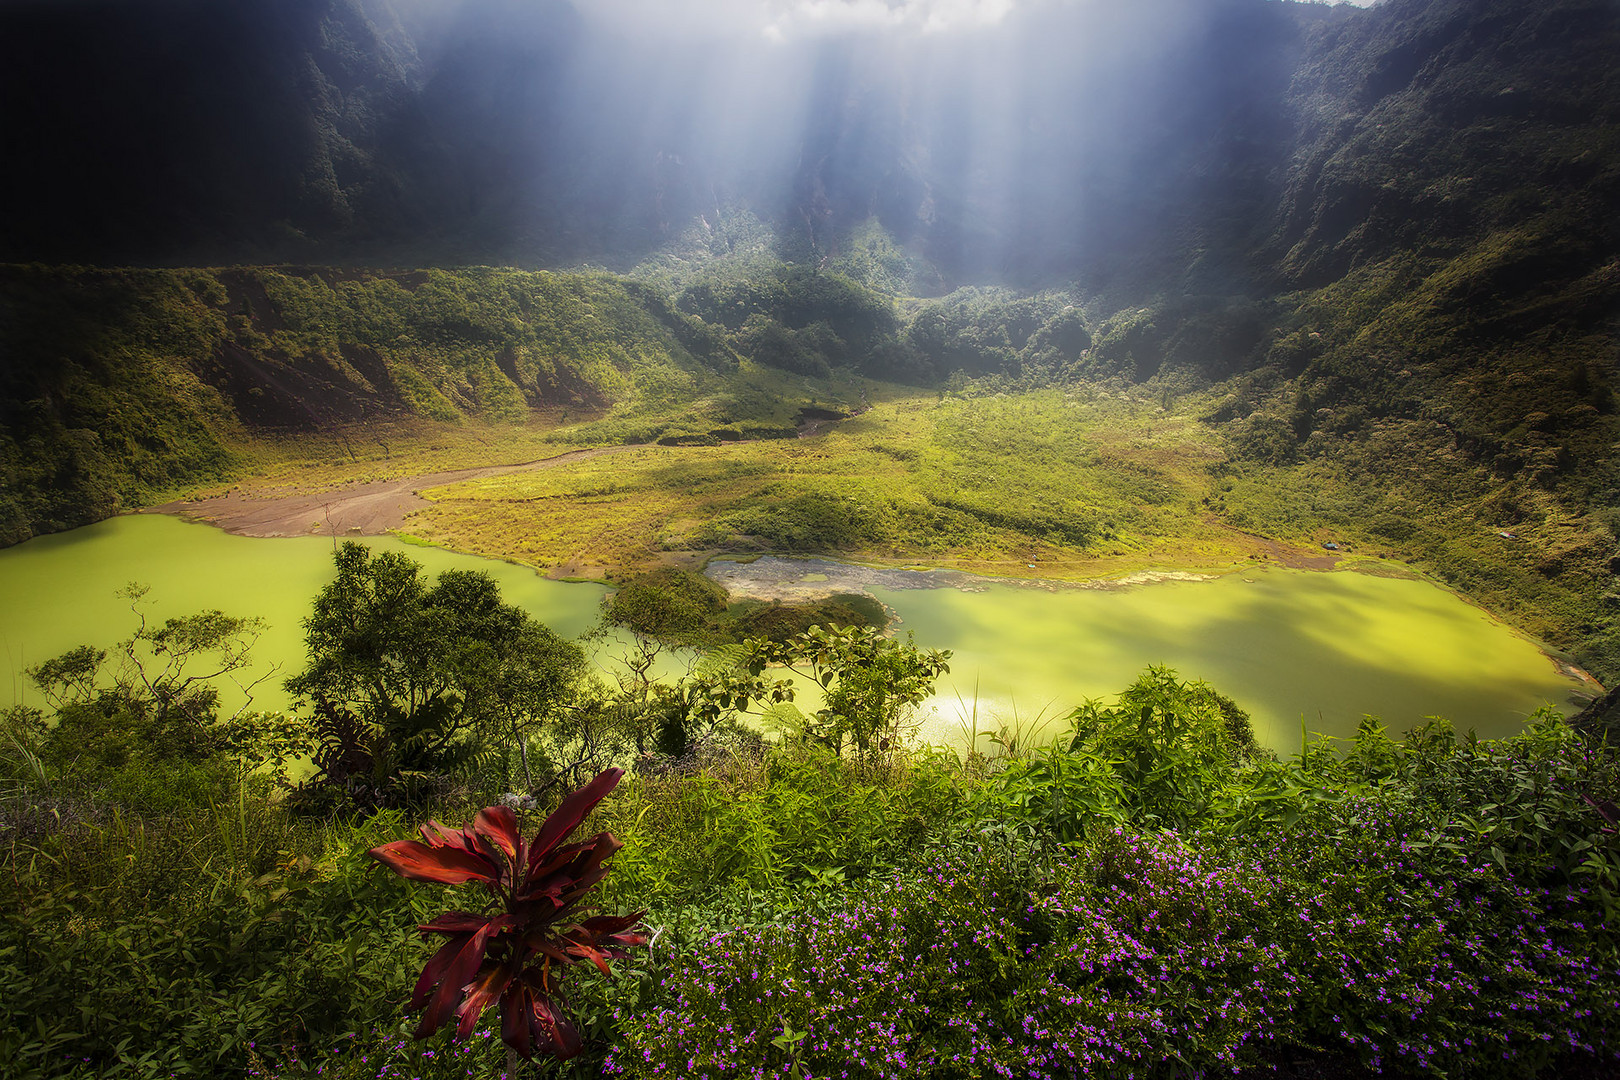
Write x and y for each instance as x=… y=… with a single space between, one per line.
x=1290 y=646
x=1287 y=645
x=59 y=590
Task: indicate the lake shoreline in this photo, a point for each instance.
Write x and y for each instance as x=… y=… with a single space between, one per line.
x=798 y=579
x=1282 y=642
x=381 y=508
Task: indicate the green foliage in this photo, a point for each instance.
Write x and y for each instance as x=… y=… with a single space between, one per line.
x=142 y=947
x=1144 y=955
x=1524 y=804
x=1430 y=904
x=671 y=605
x=679 y=607
x=95 y=416
x=781 y=622
x=798 y=816
x=413 y=681
x=1175 y=755
x=123 y=386
x=1398 y=915
x=795 y=297
x=144 y=731
x=870 y=684
x=1168 y=755
x=810 y=521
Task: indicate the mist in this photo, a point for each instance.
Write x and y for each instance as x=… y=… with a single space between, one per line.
x=995 y=139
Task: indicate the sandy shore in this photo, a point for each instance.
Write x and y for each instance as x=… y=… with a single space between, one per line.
x=800 y=580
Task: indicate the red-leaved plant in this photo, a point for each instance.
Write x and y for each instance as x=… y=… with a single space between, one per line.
x=517 y=953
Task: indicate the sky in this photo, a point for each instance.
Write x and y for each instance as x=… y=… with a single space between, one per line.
x=783 y=20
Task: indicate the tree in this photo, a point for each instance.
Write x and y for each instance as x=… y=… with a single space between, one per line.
x=411 y=679
x=157 y=698
x=869 y=683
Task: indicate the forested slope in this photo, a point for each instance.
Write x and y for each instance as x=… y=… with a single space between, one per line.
x=1382 y=242
x=124 y=384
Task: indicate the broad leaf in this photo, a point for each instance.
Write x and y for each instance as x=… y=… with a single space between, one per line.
x=417 y=861
x=515 y=955
x=499 y=825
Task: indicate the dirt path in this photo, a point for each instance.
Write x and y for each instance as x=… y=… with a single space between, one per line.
x=352 y=510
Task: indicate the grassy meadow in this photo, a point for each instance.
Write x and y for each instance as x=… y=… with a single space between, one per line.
x=1083 y=483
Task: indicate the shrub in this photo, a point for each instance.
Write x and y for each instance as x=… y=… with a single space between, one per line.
x=1168 y=754
x=984 y=960
x=538 y=887
x=177 y=945
x=801 y=814
x=1424 y=959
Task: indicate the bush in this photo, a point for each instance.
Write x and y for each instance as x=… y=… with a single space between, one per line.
x=177 y=946
x=1422 y=960
x=670 y=605
x=1149 y=955
x=801 y=814
x=984 y=960
x=1168 y=755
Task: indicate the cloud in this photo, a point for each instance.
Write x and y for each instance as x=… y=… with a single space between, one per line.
x=784 y=20
x=805 y=17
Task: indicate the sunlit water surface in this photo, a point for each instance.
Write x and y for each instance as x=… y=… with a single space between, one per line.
x=1290 y=646
x=60 y=591
x=1295 y=648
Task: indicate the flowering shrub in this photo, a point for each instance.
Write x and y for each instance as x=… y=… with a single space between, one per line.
x=1428 y=959
x=1145 y=956
x=985 y=964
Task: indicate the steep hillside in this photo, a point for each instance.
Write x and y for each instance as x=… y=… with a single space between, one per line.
x=1224 y=147
x=1384 y=242
x=490 y=131
x=120 y=385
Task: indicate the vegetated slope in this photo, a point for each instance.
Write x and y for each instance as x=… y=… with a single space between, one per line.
x=1430 y=362
x=122 y=384
x=1452 y=215
x=1395 y=235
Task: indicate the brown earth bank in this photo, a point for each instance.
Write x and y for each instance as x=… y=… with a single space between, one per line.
x=368 y=509
x=378 y=507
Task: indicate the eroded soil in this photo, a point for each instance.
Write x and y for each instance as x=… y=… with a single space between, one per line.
x=368 y=509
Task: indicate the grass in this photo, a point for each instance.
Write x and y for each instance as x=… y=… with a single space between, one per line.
x=1092 y=481
x=1082 y=484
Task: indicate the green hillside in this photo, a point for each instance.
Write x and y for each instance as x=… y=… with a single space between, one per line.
x=126 y=385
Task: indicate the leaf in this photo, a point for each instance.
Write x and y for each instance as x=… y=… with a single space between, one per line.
x=547 y=879
x=517 y=1009
x=612 y=924
x=433 y=972
x=416 y=861
x=482 y=992
x=1606 y=810
x=566 y=818
x=455 y=922
x=459 y=967
x=783 y=718
x=552 y=1032
x=721 y=659
x=499 y=824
